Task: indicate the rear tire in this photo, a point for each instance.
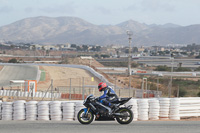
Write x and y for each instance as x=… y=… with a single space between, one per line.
x=127 y=118
x=85 y=120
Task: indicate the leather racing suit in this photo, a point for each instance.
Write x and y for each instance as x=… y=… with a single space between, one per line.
x=108 y=96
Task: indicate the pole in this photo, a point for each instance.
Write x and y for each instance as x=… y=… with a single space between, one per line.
x=46 y=92
x=129 y=56
x=143 y=88
x=115 y=83
x=83 y=93
x=129 y=60
x=170 y=88
x=79 y=85
x=157 y=85
x=146 y=88
x=178 y=91
x=129 y=86
x=51 y=89
x=31 y=91
x=70 y=88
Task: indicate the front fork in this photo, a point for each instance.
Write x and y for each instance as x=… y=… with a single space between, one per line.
x=86 y=110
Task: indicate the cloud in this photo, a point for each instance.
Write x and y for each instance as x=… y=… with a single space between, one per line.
x=29 y=10
x=103 y=10
x=6 y=9
x=151 y=5
x=131 y=7
x=156 y=5
x=64 y=8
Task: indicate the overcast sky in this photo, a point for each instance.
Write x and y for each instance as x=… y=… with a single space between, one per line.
x=105 y=12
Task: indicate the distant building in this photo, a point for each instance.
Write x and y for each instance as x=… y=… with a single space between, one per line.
x=141 y=49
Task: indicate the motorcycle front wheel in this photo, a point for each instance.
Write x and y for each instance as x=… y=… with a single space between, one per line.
x=85 y=119
x=126 y=116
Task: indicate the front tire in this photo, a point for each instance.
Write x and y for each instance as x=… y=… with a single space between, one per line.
x=127 y=116
x=85 y=119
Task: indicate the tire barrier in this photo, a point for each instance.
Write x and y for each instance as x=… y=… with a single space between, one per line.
x=19 y=110
x=189 y=107
x=0 y=110
x=7 y=110
x=143 y=109
x=12 y=93
x=55 y=111
x=134 y=108
x=164 y=108
x=43 y=110
x=154 y=108
x=68 y=111
x=31 y=110
x=174 y=109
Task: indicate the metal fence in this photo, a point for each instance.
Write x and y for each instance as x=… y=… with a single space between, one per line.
x=79 y=88
x=80 y=92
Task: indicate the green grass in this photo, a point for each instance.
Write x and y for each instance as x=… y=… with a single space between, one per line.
x=43 y=75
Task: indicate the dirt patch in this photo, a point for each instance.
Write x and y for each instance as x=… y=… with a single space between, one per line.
x=190 y=119
x=61 y=77
x=87 y=62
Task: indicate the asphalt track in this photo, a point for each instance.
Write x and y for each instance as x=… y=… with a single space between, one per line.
x=18 y=72
x=99 y=127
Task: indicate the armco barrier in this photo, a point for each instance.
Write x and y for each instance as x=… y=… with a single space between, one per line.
x=143 y=109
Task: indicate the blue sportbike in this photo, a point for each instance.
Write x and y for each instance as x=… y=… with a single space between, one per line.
x=95 y=109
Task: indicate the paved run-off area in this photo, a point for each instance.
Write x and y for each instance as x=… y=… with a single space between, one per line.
x=99 y=127
x=17 y=72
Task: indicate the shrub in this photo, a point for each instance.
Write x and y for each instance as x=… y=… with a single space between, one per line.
x=182 y=69
x=105 y=56
x=197 y=69
x=12 y=60
x=134 y=65
x=162 y=68
x=198 y=94
x=182 y=92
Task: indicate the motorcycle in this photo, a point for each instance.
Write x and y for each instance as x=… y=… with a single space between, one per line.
x=96 y=109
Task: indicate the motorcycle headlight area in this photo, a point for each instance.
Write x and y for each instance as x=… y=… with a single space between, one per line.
x=84 y=101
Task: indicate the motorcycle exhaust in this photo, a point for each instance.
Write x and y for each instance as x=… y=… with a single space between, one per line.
x=118 y=114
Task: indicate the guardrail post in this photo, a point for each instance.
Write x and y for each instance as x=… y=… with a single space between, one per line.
x=51 y=89
x=70 y=87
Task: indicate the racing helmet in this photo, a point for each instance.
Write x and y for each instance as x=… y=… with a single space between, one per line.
x=101 y=86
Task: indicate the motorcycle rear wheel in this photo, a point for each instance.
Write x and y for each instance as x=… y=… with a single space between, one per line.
x=127 y=118
x=85 y=119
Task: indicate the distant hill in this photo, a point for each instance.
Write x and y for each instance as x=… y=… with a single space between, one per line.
x=48 y=30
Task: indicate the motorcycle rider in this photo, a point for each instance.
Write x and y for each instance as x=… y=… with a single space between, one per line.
x=108 y=96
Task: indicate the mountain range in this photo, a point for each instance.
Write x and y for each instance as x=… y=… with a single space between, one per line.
x=59 y=30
